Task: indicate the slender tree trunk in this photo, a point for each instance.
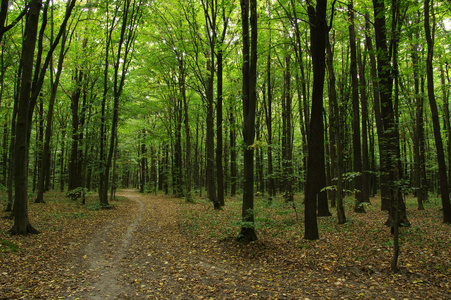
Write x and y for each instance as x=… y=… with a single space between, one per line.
x=75 y=179
x=268 y=114
x=219 y=126
x=336 y=151
x=389 y=139
x=233 y=154
x=143 y=154
x=249 y=109
x=62 y=156
x=332 y=122
x=182 y=83
x=418 y=144
x=357 y=150
x=316 y=164
x=287 y=152
x=49 y=121
x=22 y=224
x=364 y=101
x=210 y=143
x=302 y=85
x=445 y=96
x=131 y=14
x=446 y=205
x=177 y=169
x=11 y=159
x=385 y=192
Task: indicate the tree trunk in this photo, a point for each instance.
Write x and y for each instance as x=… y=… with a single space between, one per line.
x=249 y=109
x=45 y=166
x=287 y=152
x=385 y=192
x=389 y=140
x=143 y=154
x=233 y=154
x=446 y=205
x=316 y=164
x=210 y=142
x=336 y=150
x=182 y=87
x=22 y=224
x=11 y=159
x=418 y=143
x=219 y=126
x=268 y=117
x=364 y=101
x=446 y=118
x=357 y=150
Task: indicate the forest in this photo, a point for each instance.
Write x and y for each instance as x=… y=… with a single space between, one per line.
x=330 y=109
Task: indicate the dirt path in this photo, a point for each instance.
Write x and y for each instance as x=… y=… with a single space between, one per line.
x=106 y=252
x=143 y=254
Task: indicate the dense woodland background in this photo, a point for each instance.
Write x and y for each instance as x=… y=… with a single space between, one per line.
x=351 y=98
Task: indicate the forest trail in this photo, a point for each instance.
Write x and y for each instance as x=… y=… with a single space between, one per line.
x=144 y=255
x=107 y=250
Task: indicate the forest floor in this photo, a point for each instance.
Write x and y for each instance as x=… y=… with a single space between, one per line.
x=157 y=247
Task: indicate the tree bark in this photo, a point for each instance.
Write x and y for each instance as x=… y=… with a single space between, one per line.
x=249 y=109
x=356 y=145
x=316 y=164
x=22 y=224
x=364 y=101
x=446 y=205
x=45 y=166
x=287 y=151
x=336 y=150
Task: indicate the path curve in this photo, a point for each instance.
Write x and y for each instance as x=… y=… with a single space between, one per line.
x=107 y=249
x=142 y=253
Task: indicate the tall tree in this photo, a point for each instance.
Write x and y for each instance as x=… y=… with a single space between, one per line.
x=357 y=149
x=419 y=141
x=446 y=205
x=249 y=97
x=131 y=15
x=316 y=163
x=219 y=102
x=22 y=224
x=45 y=165
x=336 y=151
x=364 y=100
x=210 y=12
x=30 y=88
x=287 y=151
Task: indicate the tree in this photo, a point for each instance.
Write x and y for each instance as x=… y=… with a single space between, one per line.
x=357 y=150
x=249 y=96
x=446 y=205
x=315 y=164
x=22 y=224
x=45 y=165
x=219 y=104
x=335 y=135
x=30 y=87
x=287 y=143
x=131 y=15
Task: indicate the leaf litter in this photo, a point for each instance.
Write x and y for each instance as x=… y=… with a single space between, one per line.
x=158 y=247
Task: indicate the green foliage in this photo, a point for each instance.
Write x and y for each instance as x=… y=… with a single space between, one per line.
x=77 y=193
x=98 y=206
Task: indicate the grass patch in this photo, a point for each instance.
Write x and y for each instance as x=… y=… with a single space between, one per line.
x=7 y=246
